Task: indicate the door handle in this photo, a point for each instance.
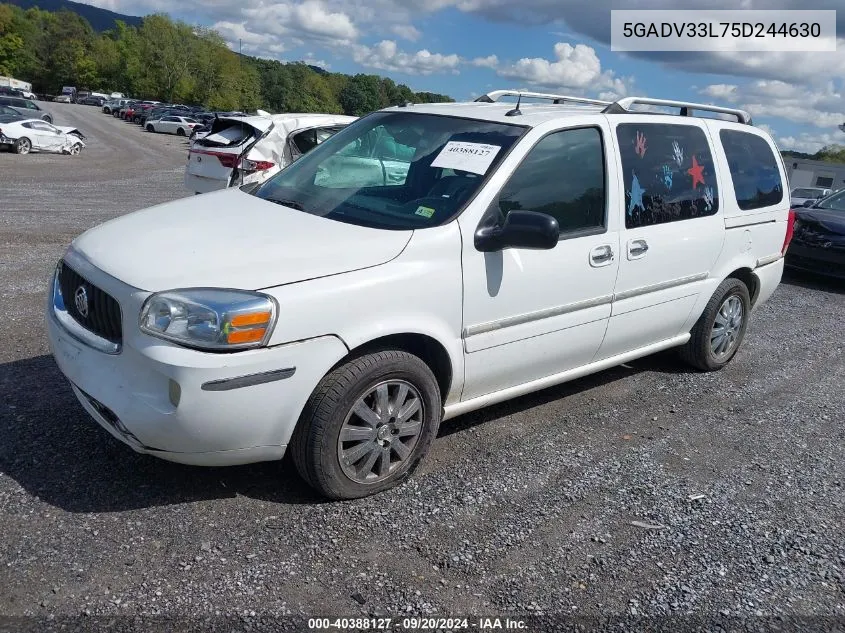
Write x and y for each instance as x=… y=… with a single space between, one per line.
x=637 y=248
x=601 y=256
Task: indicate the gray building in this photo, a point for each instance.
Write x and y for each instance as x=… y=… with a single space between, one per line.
x=814 y=173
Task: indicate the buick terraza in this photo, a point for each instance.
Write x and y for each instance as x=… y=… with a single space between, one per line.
x=425 y=261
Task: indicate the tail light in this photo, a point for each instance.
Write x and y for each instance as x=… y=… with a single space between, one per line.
x=256 y=165
x=790 y=230
x=229 y=161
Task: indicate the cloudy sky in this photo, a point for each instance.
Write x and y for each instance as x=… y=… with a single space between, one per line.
x=466 y=47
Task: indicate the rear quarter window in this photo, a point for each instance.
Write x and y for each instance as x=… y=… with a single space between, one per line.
x=668 y=173
x=754 y=170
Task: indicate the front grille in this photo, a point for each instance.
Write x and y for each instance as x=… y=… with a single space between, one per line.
x=103 y=317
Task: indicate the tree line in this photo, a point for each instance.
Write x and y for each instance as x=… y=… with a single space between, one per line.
x=828 y=154
x=172 y=61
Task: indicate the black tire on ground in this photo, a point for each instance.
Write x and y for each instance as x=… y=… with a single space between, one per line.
x=180 y=132
x=23 y=145
x=698 y=350
x=150 y=128
x=315 y=442
x=49 y=119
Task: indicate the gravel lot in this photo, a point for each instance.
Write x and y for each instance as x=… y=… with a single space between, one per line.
x=522 y=509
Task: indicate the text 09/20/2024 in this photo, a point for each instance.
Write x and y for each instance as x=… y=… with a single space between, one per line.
x=416 y=624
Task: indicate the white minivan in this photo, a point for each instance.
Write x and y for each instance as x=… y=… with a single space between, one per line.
x=423 y=262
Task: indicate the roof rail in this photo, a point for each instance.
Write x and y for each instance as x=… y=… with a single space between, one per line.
x=495 y=95
x=623 y=106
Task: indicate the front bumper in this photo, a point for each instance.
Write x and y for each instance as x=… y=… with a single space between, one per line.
x=189 y=406
x=817 y=259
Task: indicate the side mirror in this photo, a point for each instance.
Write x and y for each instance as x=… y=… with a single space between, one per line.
x=522 y=229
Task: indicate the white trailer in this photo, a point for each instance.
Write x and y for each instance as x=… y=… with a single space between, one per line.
x=24 y=86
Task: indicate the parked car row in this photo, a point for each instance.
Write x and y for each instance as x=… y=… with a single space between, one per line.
x=155 y=116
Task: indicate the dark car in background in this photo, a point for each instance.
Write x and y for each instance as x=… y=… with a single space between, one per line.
x=26 y=105
x=9 y=114
x=93 y=101
x=6 y=91
x=120 y=113
x=818 y=241
x=113 y=105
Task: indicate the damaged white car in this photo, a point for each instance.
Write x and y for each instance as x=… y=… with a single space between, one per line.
x=36 y=135
x=240 y=150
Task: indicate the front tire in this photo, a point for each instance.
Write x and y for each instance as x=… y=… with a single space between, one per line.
x=367 y=425
x=150 y=128
x=23 y=146
x=76 y=149
x=720 y=330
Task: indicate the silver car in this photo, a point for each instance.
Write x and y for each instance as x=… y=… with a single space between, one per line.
x=799 y=196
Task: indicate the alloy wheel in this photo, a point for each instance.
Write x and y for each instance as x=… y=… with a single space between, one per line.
x=727 y=327
x=381 y=431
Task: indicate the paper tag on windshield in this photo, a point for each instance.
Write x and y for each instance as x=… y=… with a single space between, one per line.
x=472 y=157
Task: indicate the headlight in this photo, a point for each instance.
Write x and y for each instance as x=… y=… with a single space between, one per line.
x=210 y=319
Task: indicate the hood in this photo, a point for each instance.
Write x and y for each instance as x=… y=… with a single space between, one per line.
x=231 y=239
x=67 y=129
x=826 y=220
x=820 y=228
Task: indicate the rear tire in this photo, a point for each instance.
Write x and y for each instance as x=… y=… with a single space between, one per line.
x=180 y=132
x=363 y=399
x=23 y=146
x=720 y=330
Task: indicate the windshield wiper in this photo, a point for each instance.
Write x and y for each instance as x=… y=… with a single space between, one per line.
x=293 y=204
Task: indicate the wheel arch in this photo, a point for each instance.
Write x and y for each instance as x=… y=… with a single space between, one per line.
x=746 y=275
x=431 y=351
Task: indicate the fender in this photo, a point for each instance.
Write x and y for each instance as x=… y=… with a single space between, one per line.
x=418 y=292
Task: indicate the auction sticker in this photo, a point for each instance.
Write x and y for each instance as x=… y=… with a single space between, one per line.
x=472 y=157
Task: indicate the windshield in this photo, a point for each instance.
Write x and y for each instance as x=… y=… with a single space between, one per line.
x=807 y=193
x=394 y=170
x=836 y=202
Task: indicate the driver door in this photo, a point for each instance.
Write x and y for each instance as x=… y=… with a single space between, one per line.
x=529 y=314
x=45 y=136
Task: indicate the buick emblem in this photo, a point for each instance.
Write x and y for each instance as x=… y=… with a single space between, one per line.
x=80 y=298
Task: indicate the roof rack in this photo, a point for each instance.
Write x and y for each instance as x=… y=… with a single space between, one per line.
x=623 y=106
x=495 y=95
